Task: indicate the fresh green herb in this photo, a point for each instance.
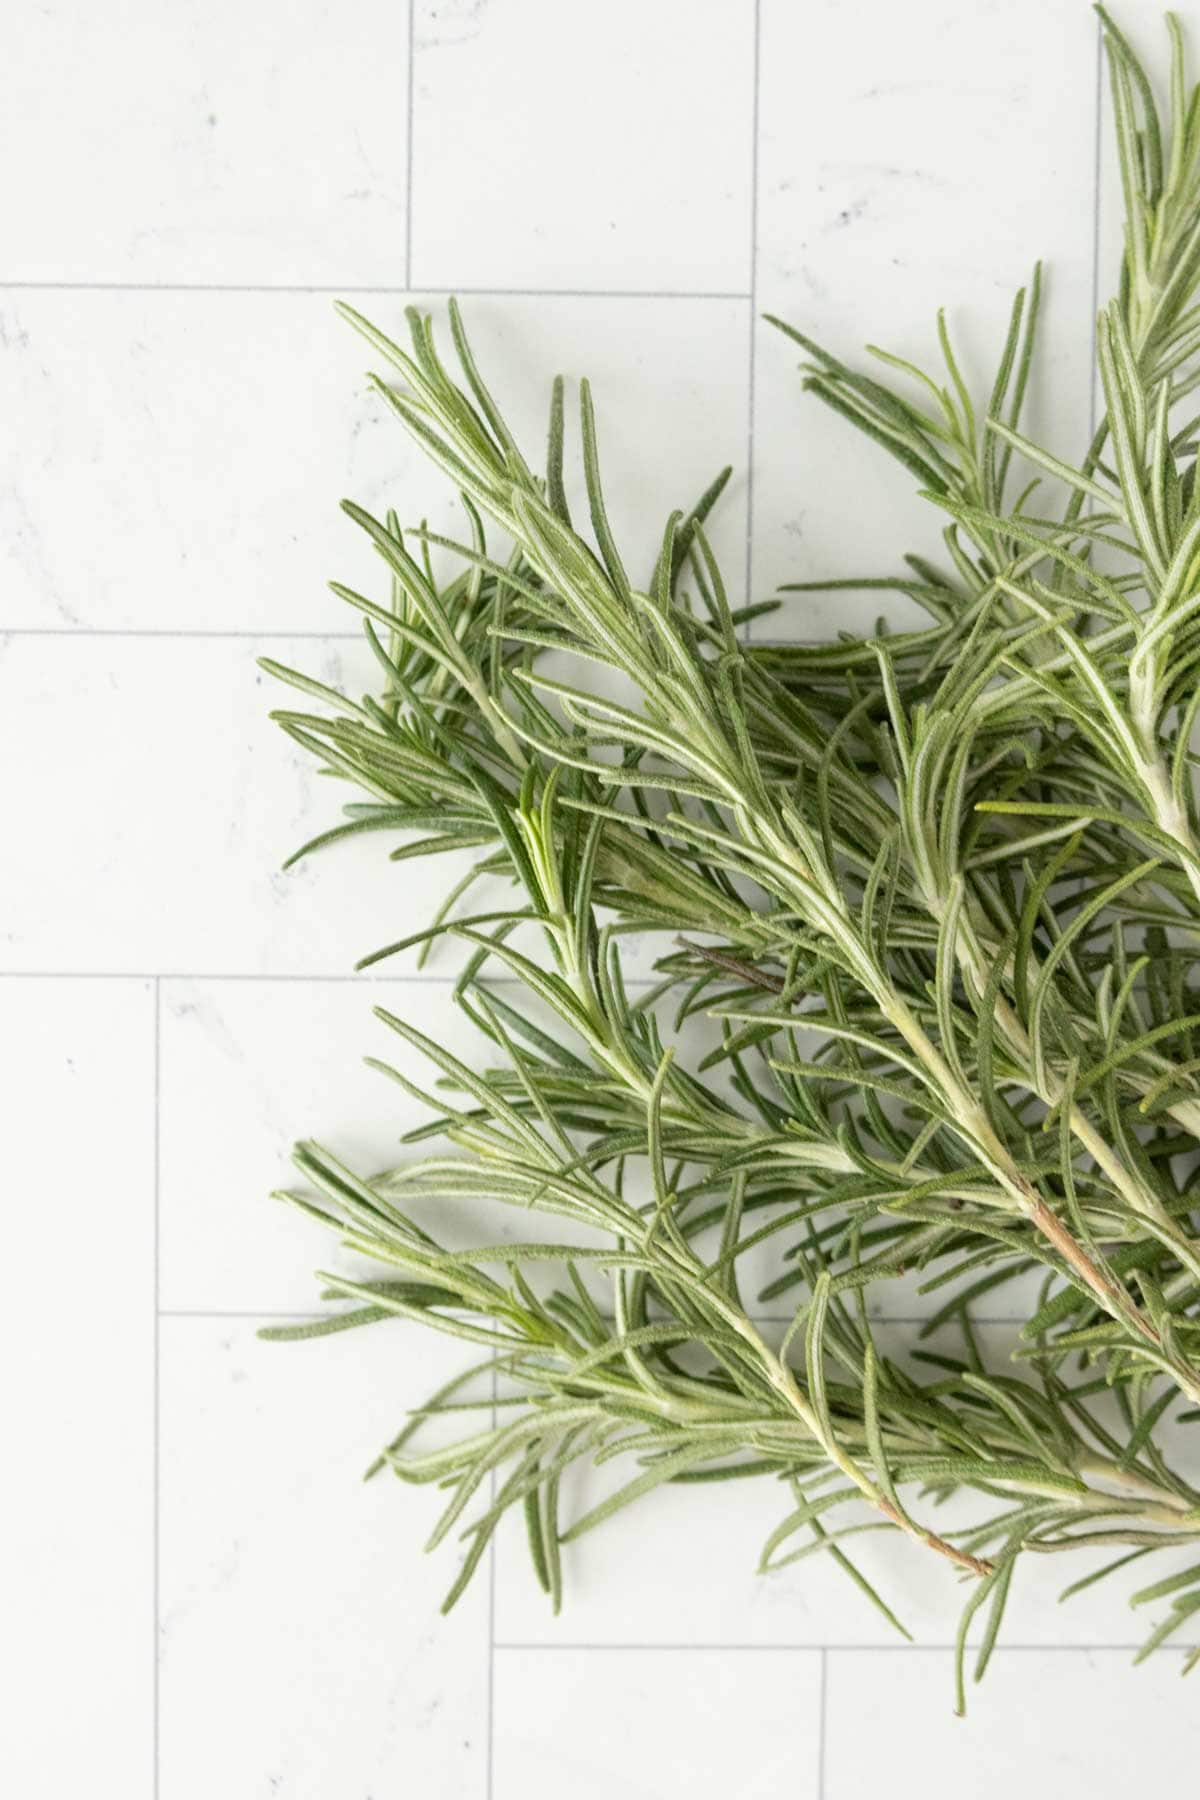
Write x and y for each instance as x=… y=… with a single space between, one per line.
x=929 y=903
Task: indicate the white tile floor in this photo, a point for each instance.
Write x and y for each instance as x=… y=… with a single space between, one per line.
x=208 y=1601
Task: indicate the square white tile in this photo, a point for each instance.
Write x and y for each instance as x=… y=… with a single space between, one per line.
x=272 y=1062
x=77 y=1338
x=1072 y=1723
x=183 y=459
x=302 y=1652
x=205 y=142
x=596 y=148
x=175 y=802
x=643 y=1723
x=199 y=444
x=902 y=183
x=267 y=1063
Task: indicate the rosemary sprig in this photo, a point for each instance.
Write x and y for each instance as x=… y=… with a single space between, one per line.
x=935 y=897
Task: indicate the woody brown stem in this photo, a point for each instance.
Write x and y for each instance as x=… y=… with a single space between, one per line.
x=1109 y=1293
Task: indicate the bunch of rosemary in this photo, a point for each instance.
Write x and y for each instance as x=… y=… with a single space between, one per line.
x=928 y=901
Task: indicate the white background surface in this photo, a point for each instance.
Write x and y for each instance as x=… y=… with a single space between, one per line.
x=207 y=1602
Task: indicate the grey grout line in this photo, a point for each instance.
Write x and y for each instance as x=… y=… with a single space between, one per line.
x=195 y=287
x=80 y=975
x=753 y=321
x=260 y=1315
x=823 y=1722
x=200 y=287
x=401 y=290
x=408 y=171
x=826 y=1650
x=705 y=1648
x=417 y=978
x=491 y=1613
x=155 y=1385
x=552 y=293
x=1096 y=225
x=234 y=634
x=135 y=632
